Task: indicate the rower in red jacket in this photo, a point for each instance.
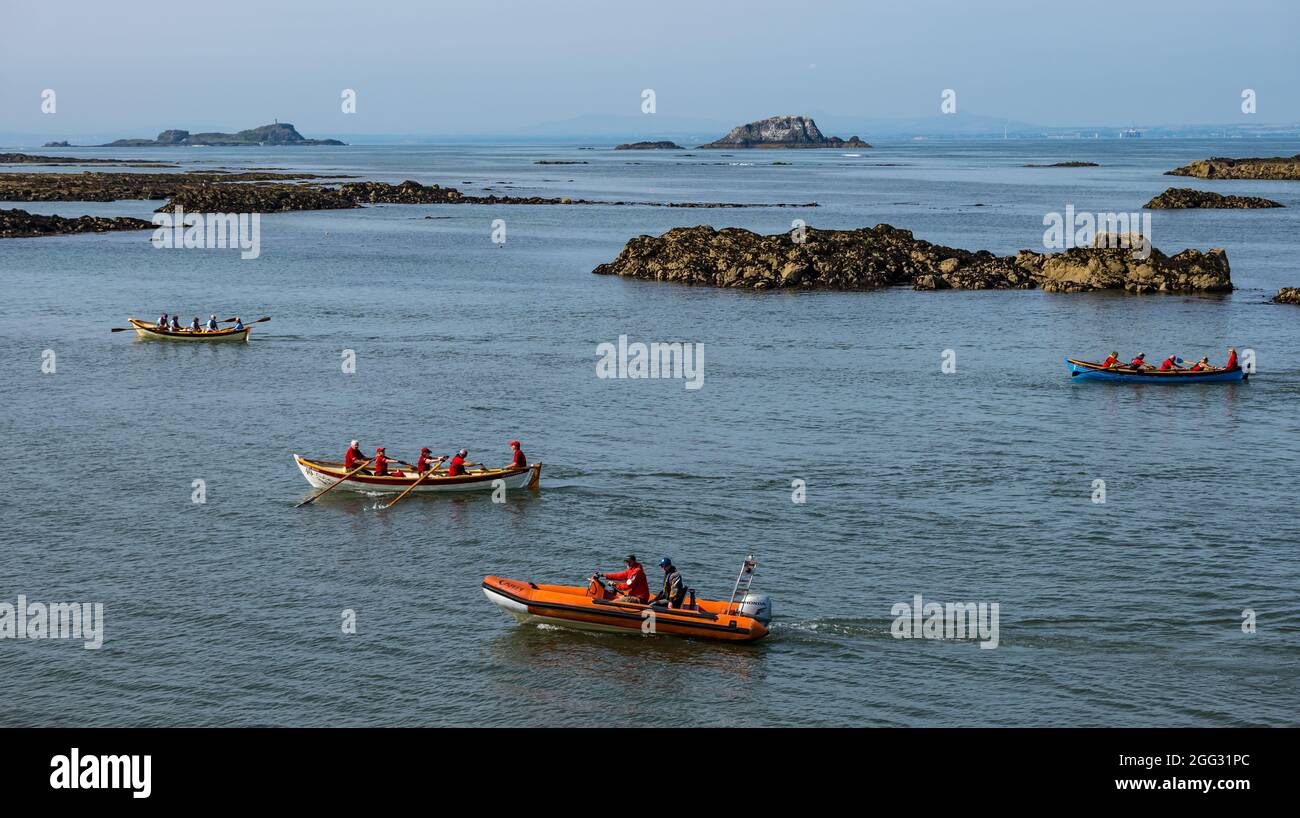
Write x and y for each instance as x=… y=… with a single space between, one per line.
x=1140 y=362
x=631 y=583
x=381 y=464
x=1201 y=365
x=1232 y=359
x=1111 y=360
x=520 y=461
x=457 y=465
x=354 y=456
x=1170 y=364
x=426 y=461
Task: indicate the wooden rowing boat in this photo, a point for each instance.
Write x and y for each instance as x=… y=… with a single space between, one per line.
x=1088 y=371
x=324 y=473
x=147 y=330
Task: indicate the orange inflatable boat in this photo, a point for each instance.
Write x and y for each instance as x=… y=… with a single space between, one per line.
x=742 y=619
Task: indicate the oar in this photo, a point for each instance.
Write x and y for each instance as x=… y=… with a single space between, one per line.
x=246 y=323
x=340 y=480
x=417 y=482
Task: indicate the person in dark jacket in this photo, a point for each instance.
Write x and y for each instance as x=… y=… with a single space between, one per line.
x=674 y=589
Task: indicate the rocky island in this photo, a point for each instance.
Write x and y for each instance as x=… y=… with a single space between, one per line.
x=31 y=159
x=279 y=133
x=783 y=132
x=883 y=256
x=259 y=192
x=1074 y=164
x=19 y=224
x=1287 y=295
x=664 y=145
x=1182 y=198
x=1221 y=167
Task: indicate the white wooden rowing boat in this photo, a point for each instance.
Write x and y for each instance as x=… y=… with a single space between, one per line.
x=146 y=330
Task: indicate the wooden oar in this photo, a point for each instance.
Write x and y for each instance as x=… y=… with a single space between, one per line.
x=340 y=480
x=417 y=482
x=247 y=323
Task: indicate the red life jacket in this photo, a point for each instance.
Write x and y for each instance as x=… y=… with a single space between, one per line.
x=1110 y=360
x=456 y=467
x=1137 y=363
x=1232 y=361
x=353 y=458
x=381 y=465
x=1168 y=364
x=424 y=463
x=520 y=461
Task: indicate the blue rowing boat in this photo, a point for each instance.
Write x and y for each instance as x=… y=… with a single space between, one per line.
x=1088 y=371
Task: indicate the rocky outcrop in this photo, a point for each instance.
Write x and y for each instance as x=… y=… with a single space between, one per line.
x=107 y=187
x=783 y=132
x=18 y=224
x=279 y=133
x=268 y=192
x=884 y=256
x=649 y=146
x=1181 y=198
x=1287 y=295
x=257 y=198
x=1067 y=165
x=32 y=159
x=1221 y=167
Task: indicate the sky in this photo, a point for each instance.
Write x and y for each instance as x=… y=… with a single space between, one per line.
x=131 y=68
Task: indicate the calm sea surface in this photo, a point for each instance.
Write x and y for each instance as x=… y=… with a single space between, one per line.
x=975 y=486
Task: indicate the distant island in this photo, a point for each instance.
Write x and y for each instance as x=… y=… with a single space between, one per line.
x=1067 y=165
x=649 y=146
x=279 y=133
x=783 y=132
x=1185 y=198
x=1222 y=167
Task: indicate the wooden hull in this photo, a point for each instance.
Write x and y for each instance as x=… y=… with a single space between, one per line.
x=147 y=331
x=1088 y=371
x=570 y=607
x=324 y=473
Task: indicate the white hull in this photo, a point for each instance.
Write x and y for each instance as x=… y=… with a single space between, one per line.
x=520 y=612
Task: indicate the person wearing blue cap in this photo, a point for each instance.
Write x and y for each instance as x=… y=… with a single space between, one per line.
x=674 y=590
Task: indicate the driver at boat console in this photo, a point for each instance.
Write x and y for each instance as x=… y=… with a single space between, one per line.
x=631 y=585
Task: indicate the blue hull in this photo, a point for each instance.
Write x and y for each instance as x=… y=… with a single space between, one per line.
x=1085 y=371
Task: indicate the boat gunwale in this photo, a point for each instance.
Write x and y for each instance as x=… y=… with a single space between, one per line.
x=146 y=326
x=1166 y=374
x=436 y=479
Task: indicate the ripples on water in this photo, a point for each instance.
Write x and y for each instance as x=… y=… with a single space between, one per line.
x=967 y=487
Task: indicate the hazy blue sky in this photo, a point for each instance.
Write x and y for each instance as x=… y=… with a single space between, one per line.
x=121 y=66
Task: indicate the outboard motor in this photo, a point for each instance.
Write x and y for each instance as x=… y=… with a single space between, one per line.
x=756 y=606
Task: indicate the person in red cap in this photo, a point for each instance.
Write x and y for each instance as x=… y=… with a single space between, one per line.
x=354 y=457
x=381 y=463
x=520 y=461
x=427 y=461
